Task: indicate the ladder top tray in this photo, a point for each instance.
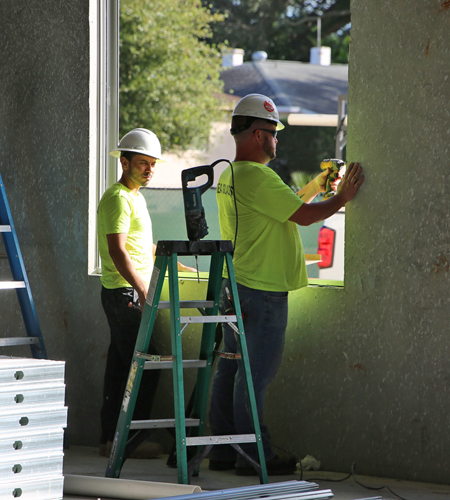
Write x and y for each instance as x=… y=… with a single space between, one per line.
x=169 y=247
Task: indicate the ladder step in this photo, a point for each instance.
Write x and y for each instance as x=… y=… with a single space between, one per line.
x=18 y=341
x=207 y=440
x=10 y=285
x=164 y=423
x=155 y=362
x=187 y=304
x=208 y=319
x=5 y=229
x=165 y=365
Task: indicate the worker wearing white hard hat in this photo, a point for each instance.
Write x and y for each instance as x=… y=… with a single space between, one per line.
x=126 y=249
x=260 y=213
x=257 y=106
x=139 y=141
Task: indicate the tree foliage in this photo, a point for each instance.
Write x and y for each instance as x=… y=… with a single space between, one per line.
x=169 y=74
x=282 y=28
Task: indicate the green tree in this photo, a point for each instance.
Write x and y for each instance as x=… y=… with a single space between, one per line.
x=169 y=74
x=285 y=29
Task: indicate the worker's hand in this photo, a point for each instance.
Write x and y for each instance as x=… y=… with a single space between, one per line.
x=142 y=297
x=321 y=180
x=351 y=182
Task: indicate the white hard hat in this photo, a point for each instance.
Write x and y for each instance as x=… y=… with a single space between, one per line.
x=258 y=106
x=140 y=141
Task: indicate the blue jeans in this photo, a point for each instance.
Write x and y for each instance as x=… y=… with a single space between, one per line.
x=265 y=321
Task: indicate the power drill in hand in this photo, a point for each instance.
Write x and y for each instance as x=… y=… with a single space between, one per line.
x=336 y=166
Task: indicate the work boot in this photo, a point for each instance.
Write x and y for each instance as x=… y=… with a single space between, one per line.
x=105 y=449
x=276 y=466
x=147 y=450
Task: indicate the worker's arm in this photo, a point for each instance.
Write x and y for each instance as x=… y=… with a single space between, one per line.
x=309 y=213
x=124 y=264
x=180 y=266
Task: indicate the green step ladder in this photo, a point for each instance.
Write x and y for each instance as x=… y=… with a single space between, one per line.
x=20 y=283
x=167 y=253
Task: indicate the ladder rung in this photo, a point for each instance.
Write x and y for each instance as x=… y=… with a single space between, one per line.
x=164 y=365
x=206 y=440
x=9 y=285
x=155 y=357
x=19 y=341
x=164 y=423
x=208 y=319
x=229 y=355
x=188 y=304
x=5 y=229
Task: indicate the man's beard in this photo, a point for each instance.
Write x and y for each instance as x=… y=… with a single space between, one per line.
x=269 y=149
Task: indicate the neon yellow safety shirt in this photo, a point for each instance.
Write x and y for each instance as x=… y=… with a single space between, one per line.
x=269 y=251
x=121 y=211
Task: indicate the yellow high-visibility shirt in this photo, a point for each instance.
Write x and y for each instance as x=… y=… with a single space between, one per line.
x=268 y=252
x=121 y=211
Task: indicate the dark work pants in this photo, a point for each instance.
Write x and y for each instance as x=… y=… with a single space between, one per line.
x=124 y=317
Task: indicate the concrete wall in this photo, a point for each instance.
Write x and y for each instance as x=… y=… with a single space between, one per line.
x=44 y=142
x=366 y=376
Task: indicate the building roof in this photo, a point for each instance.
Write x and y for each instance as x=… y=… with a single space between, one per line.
x=295 y=87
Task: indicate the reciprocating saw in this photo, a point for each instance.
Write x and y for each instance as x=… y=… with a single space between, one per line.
x=193 y=208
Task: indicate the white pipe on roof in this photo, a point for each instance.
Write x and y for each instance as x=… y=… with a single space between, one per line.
x=310 y=120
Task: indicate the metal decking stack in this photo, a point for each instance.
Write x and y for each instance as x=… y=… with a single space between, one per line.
x=32 y=418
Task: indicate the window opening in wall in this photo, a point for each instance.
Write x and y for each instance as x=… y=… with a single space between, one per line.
x=165 y=200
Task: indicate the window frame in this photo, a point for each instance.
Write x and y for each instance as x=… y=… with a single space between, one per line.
x=103 y=112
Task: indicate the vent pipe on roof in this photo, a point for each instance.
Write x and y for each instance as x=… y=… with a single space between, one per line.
x=320 y=55
x=232 y=57
x=259 y=56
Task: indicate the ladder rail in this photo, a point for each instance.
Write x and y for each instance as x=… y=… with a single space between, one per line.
x=178 y=384
x=242 y=343
x=117 y=455
x=19 y=274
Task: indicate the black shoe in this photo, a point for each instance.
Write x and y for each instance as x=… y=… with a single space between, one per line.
x=276 y=466
x=221 y=465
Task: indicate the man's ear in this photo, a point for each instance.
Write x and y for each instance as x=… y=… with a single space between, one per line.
x=125 y=163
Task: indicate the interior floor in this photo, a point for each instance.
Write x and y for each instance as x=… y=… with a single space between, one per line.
x=87 y=462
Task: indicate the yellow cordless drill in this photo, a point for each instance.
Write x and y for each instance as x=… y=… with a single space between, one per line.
x=336 y=166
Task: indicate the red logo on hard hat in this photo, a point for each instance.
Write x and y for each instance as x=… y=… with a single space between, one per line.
x=268 y=106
